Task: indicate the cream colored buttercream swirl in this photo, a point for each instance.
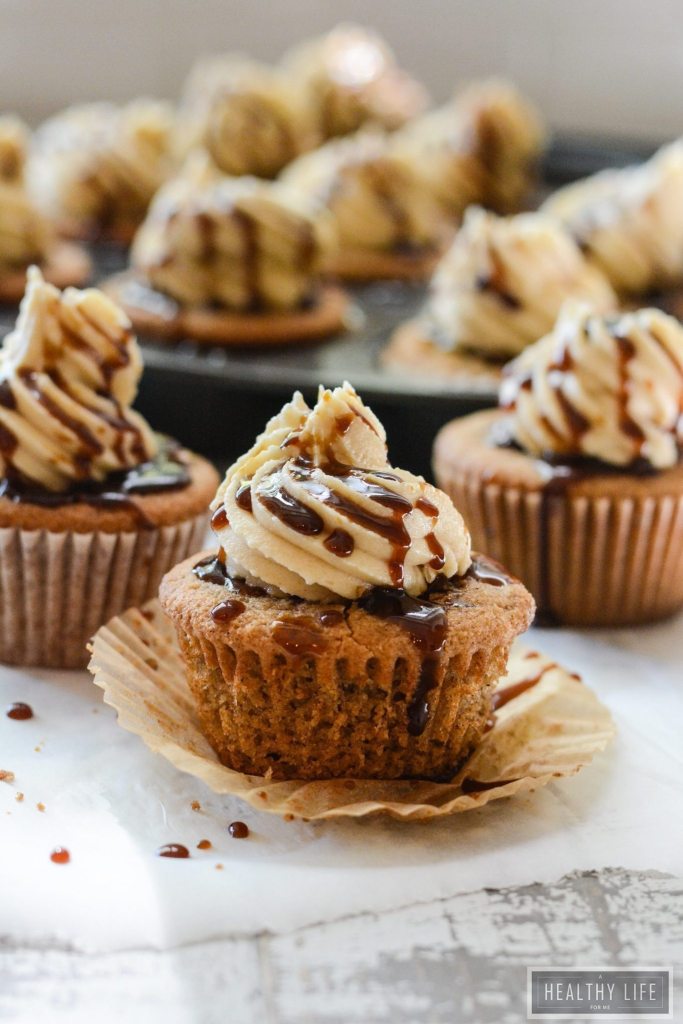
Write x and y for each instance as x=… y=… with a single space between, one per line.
x=25 y=234
x=502 y=283
x=315 y=509
x=630 y=222
x=607 y=388
x=250 y=118
x=68 y=374
x=241 y=242
x=98 y=164
x=377 y=199
x=14 y=138
x=351 y=79
x=481 y=147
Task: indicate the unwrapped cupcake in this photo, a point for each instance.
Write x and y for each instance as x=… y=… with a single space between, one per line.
x=576 y=480
x=629 y=222
x=26 y=235
x=387 y=223
x=94 y=506
x=484 y=147
x=498 y=289
x=230 y=260
x=94 y=168
x=344 y=627
x=251 y=118
x=351 y=79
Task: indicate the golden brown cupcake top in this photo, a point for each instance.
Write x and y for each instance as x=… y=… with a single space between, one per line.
x=504 y=280
x=98 y=164
x=376 y=198
x=351 y=79
x=243 y=243
x=316 y=510
x=25 y=234
x=630 y=222
x=481 y=147
x=249 y=117
x=68 y=375
x=609 y=388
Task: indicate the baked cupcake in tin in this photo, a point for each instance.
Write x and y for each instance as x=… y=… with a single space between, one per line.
x=93 y=168
x=350 y=79
x=344 y=627
x=387 y=223
x=94 y=506
x=230 y=261
x=576 y=480
x=26 y=235
x=498 y=289
x=482 y=147
x=250 y=118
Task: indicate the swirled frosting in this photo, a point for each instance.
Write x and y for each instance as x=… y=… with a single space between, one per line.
x=481 y=147
x=240 y=242
x=502 y=283
x=351 y=79
x=98 y=164
x=14 y=138
x=315 y=510
x=68 y=375
x=250 y=118
x=607 y=388
x=630 y=222
x=376 y=199
x=25 y=234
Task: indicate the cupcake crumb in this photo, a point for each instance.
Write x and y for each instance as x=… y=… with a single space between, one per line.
x=6 y=776
x=195 y=805
x=19 y=797
x=40 y=806
x=289 y=817
x=219 y=867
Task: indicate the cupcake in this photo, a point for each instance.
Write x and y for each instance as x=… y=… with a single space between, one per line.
x=576 y=480
x=94 y=507
x=94 y=168
x=630 y=222
x=498 y=289
x=250 y=118
x=482 y=147
x=387 y=223
x=230 y=261
x=26 y=236
x=351 y=79
x=344 y=627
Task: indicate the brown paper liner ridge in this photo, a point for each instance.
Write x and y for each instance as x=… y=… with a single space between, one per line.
x=588 y=561
x=549 y=731
x=56 y=589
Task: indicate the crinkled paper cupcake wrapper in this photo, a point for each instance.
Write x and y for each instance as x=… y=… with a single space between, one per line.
x=551 y=730
x=56 y=589
x=588 y=561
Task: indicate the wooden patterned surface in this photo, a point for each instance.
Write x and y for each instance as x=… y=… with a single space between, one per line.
x=460 y=960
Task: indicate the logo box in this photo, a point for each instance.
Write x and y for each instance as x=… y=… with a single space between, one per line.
x=590 y=993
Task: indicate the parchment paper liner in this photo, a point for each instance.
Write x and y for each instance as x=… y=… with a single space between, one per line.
x=57 y=588
x=551 y=730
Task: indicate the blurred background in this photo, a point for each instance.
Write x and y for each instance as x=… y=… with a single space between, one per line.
x=596 y=66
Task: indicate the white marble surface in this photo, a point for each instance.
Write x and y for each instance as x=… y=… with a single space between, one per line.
x=112 y=803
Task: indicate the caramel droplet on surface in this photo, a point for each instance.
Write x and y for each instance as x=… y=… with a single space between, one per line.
x=204 y=844
x=173 y=850
x=19 y=712
x=238 y=830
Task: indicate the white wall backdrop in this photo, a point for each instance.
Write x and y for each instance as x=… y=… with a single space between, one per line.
x=593 y=65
